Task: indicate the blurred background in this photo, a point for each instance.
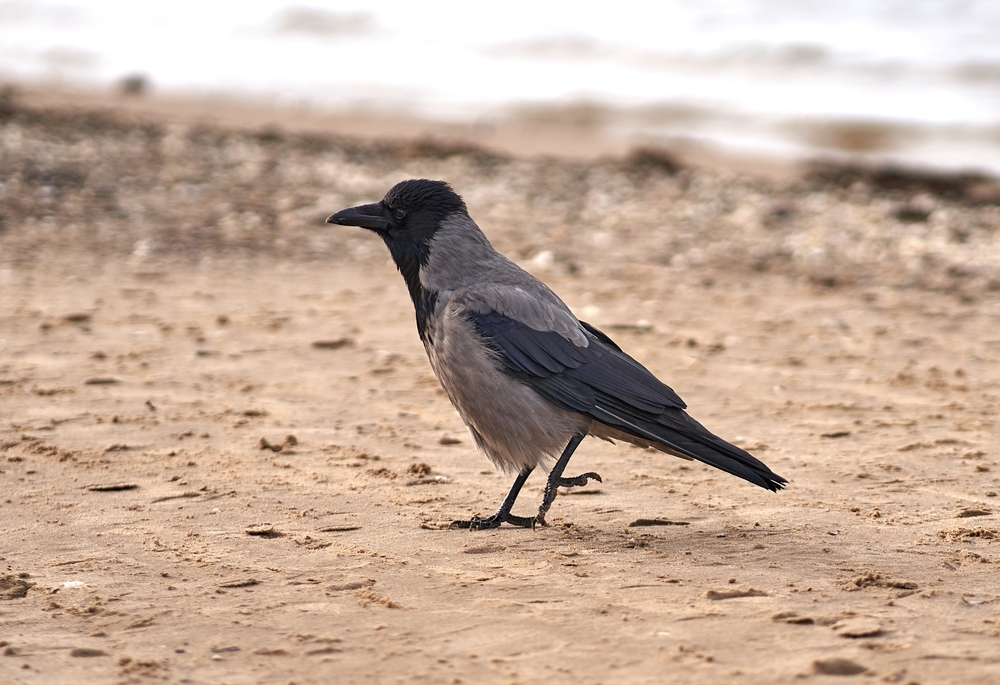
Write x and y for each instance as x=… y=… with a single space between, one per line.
x=915 y=82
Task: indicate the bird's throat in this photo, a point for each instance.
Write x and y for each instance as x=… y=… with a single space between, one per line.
x=409 y=258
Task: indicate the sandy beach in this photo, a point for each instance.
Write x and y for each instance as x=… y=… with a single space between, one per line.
x=224 y=457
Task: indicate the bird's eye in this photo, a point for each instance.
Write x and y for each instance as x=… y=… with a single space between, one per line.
x=399 y=213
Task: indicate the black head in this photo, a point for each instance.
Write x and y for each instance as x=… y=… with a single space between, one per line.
x=407 y=218
x=408 y=215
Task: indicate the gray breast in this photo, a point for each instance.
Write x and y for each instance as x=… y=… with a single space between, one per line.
x=510 y=422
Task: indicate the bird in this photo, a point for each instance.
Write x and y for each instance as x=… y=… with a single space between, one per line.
x=528 y=378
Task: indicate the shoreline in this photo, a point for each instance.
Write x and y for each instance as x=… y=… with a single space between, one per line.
x=569 y=133
x=174 y=178
x=137 y=178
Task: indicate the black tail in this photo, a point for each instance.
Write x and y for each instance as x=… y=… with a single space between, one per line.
x=675 y=430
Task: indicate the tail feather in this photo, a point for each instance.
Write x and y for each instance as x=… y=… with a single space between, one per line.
x=675 y=431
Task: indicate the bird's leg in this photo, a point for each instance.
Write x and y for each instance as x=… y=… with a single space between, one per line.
x=556 y=479
x=502 y=515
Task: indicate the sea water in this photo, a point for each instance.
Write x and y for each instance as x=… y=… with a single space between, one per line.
x=912 y=81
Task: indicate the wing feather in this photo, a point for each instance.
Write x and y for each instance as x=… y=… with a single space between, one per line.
x=586 y=372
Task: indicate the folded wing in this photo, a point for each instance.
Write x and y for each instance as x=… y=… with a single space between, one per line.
x=598 y=380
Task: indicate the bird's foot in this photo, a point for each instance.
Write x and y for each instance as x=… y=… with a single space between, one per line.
x=578 y=481
x=550 y=493
x=494 y=521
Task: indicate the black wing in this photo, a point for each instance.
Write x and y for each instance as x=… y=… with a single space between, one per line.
x=604 y=383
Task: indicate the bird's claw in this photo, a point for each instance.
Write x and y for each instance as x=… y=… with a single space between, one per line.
x=578 y=481
x=494 y=521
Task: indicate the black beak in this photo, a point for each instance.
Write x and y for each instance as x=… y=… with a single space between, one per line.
x=365 y=216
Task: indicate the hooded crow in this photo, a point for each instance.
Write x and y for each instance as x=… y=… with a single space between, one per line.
x=529 y=379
